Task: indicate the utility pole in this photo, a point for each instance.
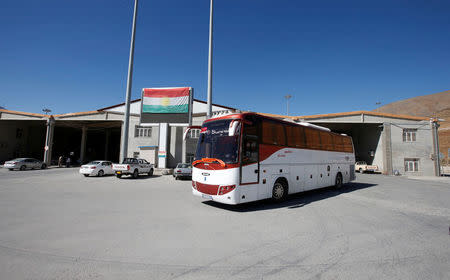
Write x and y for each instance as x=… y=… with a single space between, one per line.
x=288 y=96
x=209 y=100
x=126 y=119
x=436 y=154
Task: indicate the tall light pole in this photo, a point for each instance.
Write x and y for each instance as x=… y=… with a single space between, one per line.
x=288 y=96
x=209 y=100
x=126 y=119
x=46 y=110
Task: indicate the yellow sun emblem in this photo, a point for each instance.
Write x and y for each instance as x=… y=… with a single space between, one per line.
x=165 y=101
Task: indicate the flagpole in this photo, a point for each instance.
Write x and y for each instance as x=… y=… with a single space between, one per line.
x=209 y=101
x=126 y=121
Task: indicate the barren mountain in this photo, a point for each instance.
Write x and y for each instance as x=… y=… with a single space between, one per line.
x=432 y=105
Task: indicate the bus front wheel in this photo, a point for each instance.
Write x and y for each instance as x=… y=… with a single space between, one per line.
x=279 y=191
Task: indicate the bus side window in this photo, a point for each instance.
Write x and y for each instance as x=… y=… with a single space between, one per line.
x=273 y=133
x=312 y=139
x=295 y=136
x=326 y=140
x=348 y=148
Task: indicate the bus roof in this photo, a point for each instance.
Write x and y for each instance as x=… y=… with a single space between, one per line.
x=291 y=122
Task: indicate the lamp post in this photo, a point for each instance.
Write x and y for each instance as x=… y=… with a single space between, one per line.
x=46 y=110
x=126 y=120
x=288 y=96
x=210 y=54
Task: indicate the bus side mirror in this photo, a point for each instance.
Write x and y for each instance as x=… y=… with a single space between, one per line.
x=234 y=128
x=186 y=133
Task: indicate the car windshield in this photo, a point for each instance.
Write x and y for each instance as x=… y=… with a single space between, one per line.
x=214 y=142
x=183 y=165
x=94 y=163
x=18 y=159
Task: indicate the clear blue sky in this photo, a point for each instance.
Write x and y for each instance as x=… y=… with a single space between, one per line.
x=331 y=56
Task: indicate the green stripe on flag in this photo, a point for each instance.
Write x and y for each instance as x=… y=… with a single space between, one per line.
x=165 y=109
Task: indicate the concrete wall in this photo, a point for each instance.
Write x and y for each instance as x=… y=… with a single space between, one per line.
x=422 y=148
x=135 y=142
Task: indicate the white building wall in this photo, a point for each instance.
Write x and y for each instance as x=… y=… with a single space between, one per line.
x=421 y=149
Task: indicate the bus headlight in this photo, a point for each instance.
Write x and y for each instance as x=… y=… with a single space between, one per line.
x=226 y=189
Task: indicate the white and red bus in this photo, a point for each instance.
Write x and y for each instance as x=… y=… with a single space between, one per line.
x=246 y=157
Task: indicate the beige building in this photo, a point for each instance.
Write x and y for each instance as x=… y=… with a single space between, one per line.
x=396 y=143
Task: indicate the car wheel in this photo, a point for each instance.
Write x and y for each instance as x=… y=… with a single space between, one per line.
x=101 y=173
x=176 y=178
x=86 y=175
x=119 y=175
x=11 y=169
x=151 y=172
x=279 y=191
x=135 y=173
x=43 y=166
x=23 y=167
x=338 y=182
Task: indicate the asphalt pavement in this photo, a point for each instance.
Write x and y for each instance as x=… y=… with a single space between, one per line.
x=57 y=224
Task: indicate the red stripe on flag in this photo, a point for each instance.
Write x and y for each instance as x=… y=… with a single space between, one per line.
x=169 y=92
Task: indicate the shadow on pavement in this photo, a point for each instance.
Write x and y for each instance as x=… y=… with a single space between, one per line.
x=293 y=201
x=140 y=177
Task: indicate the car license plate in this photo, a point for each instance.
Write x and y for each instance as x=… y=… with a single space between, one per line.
x=206 y=196
x=118 y=172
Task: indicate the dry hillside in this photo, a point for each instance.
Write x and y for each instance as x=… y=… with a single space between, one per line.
x=433 y=105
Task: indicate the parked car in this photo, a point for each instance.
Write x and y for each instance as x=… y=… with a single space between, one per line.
x=362 y=166
x=97 y=168
x=182 y=170
x=25 y=163
x=134 y=167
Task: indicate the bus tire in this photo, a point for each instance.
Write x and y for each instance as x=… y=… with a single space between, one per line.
x=338 y=182
x=280 y=190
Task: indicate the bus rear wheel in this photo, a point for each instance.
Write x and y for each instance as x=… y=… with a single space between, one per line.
x=338 y=182
x=279 y=191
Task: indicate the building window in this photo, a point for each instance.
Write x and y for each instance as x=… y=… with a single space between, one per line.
x=409 y=135
x=194 y=133
x=411 y=164
x=141 y=131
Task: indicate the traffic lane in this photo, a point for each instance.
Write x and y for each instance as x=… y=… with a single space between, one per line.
x=110 y=228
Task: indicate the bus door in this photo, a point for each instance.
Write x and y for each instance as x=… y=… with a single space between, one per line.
x=249 y=154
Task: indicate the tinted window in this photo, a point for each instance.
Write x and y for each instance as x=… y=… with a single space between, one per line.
x=348 y=147
x=273 y=133
x=312 y=139
x=326 y=140
x=295 y=136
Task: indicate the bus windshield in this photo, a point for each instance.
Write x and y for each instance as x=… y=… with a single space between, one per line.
x=214 y=142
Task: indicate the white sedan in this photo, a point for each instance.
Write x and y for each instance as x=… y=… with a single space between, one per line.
x=97 y=168
x=182 y=170
x=25 y=163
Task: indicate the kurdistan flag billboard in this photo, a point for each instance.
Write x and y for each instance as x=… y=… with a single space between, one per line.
x=166 y=105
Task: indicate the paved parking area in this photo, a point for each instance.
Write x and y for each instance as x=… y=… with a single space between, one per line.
x=56 y=224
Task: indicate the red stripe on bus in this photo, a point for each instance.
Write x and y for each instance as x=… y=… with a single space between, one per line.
x=171 y=92
x=207 y=189
x=266 y=151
